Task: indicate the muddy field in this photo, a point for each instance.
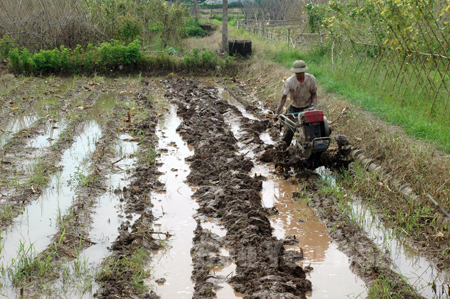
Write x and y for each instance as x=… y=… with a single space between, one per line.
x=163 y=188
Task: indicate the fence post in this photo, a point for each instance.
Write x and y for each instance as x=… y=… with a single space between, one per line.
x=288 y=36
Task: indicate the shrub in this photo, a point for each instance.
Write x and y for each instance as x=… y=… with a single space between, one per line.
x=114 y=53
x=6 y=45
x=209 y=59
x=108 y=56
x=193 y=59
x=317 y=14
x=129 y=28
x=192 y=28
x=169 y=21
x=63 y=59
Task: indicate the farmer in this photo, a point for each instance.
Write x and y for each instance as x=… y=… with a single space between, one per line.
x=302 y=89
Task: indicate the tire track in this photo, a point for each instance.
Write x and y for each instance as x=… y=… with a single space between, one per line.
x=227 y=192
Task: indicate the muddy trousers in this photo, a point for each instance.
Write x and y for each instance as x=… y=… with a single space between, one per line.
x=288 y=134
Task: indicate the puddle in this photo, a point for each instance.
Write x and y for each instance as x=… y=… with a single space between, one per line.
x=420 y=273
x=25 y=119
x=173 y=211
x=109 y=213
x=51 y=134
x=226 y=96
x=215 y=228
x=226 y=291
x=54 y=201
x=108 y=217
x=331 y=277
x=102 y=109
x=14 y=125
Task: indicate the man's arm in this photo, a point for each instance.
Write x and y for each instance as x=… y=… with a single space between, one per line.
x=314 y=100
x=280 y=106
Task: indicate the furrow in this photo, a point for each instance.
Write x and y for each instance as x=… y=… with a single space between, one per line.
x=74 y=225
x=24 y=181
x=123 y=272
x=227 y=193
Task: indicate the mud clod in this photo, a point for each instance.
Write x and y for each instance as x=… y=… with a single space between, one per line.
x=227 y=193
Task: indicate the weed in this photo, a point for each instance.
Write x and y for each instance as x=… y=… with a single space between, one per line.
x=28 y=264
x=38 y=177
x=78 y=178
x=384 y=288
x=147 y=156
x=118 y=267
x=7 y=213
x=106 y=55
x=6 y=45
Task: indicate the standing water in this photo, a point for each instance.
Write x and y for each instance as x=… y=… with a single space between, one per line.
x=173 y=211
x=420 y=273
x=31 y=231
x=331 y=276
x=109 y=214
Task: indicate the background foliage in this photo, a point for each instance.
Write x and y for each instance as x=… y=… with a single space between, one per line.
x=49 y=24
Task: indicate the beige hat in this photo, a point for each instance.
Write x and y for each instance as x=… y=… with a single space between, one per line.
x=299 y=66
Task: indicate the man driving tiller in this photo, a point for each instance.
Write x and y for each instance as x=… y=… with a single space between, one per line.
x=302 y=90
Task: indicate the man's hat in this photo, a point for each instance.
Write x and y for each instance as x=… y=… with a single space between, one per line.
x=299 y=66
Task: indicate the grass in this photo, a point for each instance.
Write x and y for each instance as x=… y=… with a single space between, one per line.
x=130 y=268
x=7 y=214
x=28 y=265
x=343 y=78
x=383 y=287
x=426 y=168
x=406 y=217
x=38 y=176
x=410 y=113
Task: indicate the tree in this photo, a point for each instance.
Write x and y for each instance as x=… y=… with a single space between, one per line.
x=225 y=26
x=170 y=20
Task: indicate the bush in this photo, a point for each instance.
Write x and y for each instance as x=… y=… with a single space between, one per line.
x=209 y=59
x=6 y=45
x=192 y=28
x=107 y=55
x=111 y=55
x=128 y=29
x=193 y=59
x=206 y=60
x=317 y=14
x=114 y=54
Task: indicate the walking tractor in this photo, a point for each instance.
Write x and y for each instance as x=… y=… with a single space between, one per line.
x=311 y=143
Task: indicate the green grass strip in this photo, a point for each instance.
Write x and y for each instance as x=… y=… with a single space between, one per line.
x=412 y=119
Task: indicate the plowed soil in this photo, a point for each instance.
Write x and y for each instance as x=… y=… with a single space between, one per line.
x=220 y=174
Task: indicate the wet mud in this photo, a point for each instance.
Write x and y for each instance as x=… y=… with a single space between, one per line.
x=236 y=248
x=226 y=192
x=366 y=258
x=26 y=170
x=117 y=277
x=75 y=224
x=174 y=211
x=421 y=279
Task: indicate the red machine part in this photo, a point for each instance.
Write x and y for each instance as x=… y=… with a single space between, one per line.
x=313 y=116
